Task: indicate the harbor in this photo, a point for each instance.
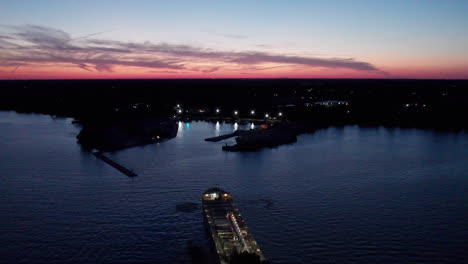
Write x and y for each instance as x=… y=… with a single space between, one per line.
x=297 y=212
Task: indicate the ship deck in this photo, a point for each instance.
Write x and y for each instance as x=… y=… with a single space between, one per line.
x=228 y=229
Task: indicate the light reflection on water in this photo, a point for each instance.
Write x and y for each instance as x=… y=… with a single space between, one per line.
x=217 y=128
x=343 y=195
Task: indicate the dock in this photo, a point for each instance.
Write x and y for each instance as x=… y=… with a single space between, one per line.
x=222 y=137
x=240 y=120
x=114 y=164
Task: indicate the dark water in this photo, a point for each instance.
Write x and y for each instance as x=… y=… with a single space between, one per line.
x=340 y=195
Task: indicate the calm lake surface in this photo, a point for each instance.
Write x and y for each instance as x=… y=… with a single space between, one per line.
x=339 y=195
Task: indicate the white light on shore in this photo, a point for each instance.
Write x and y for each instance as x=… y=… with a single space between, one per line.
x=266 y=115
x=235 y=112
x=178 y=105
x=252 y=112
x=280 y=114
x=179 y=111
x=217 y=110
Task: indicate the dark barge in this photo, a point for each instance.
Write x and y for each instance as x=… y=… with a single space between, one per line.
x=227 y=228
x=266 y=136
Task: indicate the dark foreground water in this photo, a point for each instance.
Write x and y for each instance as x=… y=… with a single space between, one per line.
x=340 y=195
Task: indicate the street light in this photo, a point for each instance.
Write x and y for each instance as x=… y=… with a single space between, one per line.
x=179 y=111
x=252 y=112
x=217 y=111
x=280 y=114
x=266 y=115
x=235 y=112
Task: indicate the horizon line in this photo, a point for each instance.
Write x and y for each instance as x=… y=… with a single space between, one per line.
x=273 y=78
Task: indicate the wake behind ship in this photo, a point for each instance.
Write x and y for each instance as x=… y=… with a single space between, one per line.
x=229 y=233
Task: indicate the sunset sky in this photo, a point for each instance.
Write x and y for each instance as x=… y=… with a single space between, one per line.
x=91 y=39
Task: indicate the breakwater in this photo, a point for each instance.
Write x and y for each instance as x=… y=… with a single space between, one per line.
x=114 y=164
x=222 y=137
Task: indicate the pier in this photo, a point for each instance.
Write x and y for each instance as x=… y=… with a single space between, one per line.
x=218 y=138
x=114 y=164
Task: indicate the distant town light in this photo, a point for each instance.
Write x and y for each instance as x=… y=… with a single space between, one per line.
x=280 y=114
x=217 y=110
x=178 y=105
x=266 y=115
x=252 y=112
x=235 y=112
x=179 y=111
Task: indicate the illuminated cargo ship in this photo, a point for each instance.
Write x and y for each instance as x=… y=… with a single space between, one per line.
x=226 y=226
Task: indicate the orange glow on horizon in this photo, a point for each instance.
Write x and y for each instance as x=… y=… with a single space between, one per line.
x=293 y=71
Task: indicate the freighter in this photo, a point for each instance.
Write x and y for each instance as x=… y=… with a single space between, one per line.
x=227 y=228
